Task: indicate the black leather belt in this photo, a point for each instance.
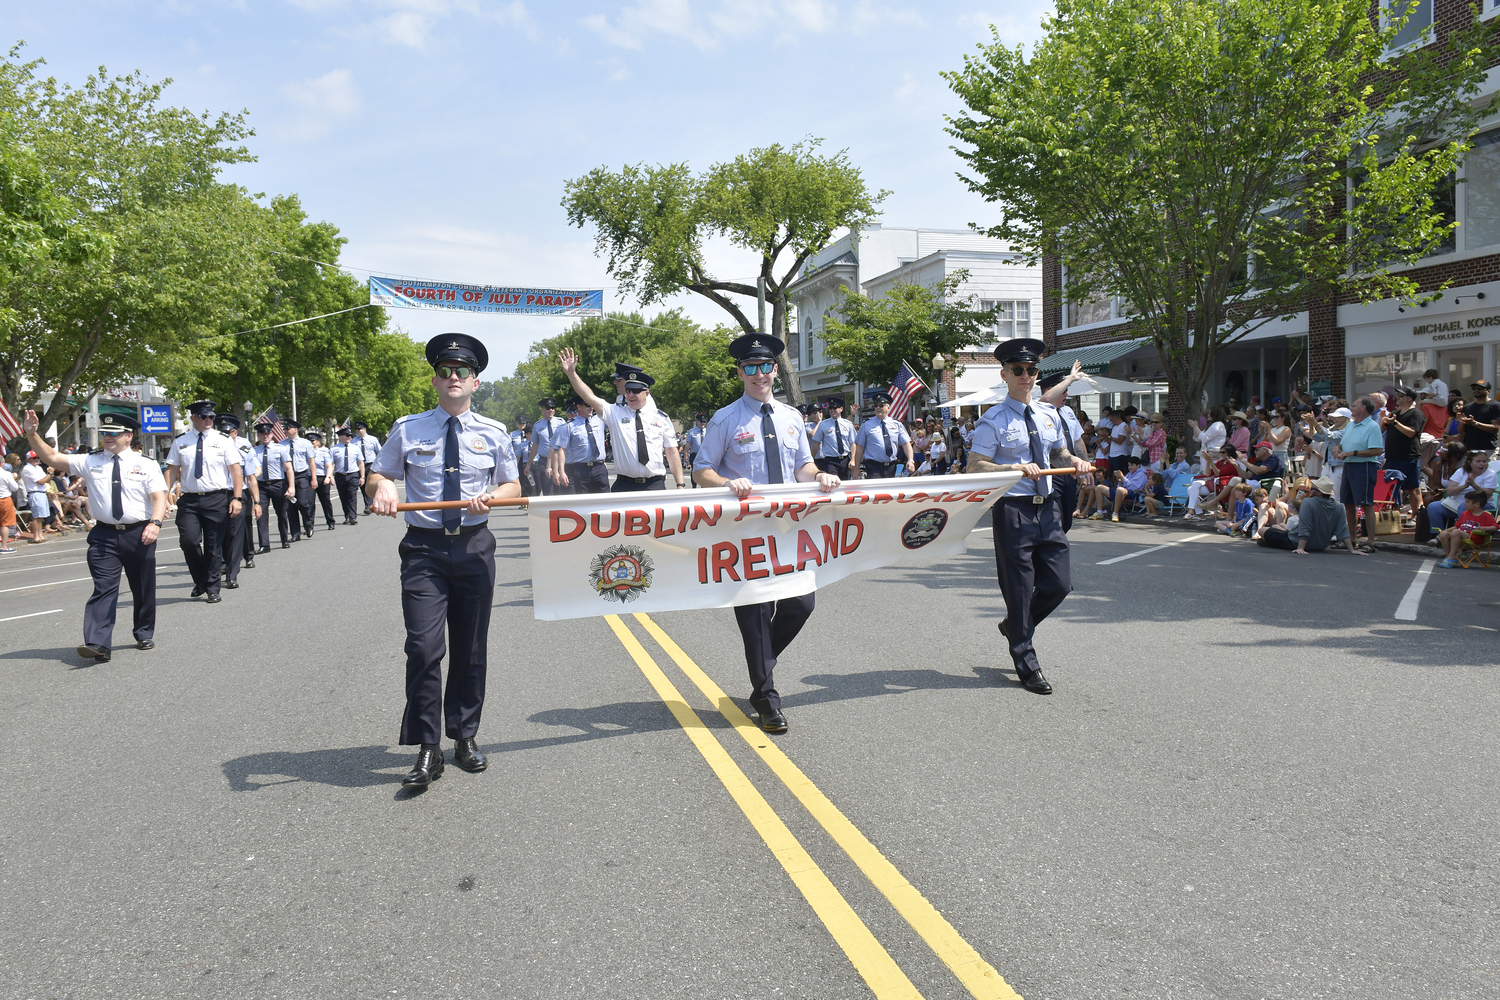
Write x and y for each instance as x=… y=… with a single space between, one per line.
x=205 y=493
x=644 y=479
x=467 y=529
x=587 y=465
x=1034 y=500
x=124 y=527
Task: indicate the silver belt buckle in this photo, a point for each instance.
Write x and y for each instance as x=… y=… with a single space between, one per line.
x=454 y=531
x=1038 y=500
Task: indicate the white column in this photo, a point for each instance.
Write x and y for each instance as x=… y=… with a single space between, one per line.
x=94 y=421
x=1488 y=371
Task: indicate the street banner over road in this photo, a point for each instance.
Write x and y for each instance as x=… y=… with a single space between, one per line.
x=673 y=550
x=448 y=297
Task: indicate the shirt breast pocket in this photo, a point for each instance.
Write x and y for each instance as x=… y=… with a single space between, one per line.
x=481 y=462
x=747 y=447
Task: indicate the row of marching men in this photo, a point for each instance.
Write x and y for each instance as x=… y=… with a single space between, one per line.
x=558 y=455
x=224 y=488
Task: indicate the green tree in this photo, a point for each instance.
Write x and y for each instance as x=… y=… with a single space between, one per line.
x=1190 y=157
x=164 y=254
x=694 y=372
x=783 y=203
x=869 y=338
x=600 y=342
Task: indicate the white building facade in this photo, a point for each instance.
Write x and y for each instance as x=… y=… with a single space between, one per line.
x=880 y=258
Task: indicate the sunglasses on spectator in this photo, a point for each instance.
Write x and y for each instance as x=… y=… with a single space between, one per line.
x=764 y=368
x=452 y=371
x=1021 y=371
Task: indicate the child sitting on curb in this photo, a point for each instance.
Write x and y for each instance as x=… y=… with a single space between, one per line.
x=1243 y=512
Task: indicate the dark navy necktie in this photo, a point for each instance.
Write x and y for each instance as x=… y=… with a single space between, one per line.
x=593 y=445
x=198 y=462
x=890 y=449
x=773 y=448
x=117 y=504
x=640 y=442
x=1038 y=453
x=838 y=437
x=453 y=518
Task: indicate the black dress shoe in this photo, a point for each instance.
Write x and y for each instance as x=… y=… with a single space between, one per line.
x=263 y=550
x=145 y=644
x=94 y=651
x=214 y=598
x=772 y=721
x=231 y=585
x=429 y=767
x=1004 y=629
x=248 y=564
x=286 y=545
x=1036 y=683
x=467 y=756
x=331 y=525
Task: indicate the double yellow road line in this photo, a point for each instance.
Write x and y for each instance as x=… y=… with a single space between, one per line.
x=868 y=956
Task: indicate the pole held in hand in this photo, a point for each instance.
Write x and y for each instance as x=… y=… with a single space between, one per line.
x=452 y=504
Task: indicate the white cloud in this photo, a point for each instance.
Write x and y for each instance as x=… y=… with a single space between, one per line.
x=414 y=22
x=631 y=27
x=325 y=100
x=407 y=27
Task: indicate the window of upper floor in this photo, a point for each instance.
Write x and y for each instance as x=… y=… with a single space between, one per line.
x=1417 y=31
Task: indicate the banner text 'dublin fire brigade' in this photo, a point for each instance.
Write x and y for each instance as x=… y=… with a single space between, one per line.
x=673 y=550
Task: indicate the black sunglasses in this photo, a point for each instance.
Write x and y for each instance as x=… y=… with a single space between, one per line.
x=448 y=371
x=1020 y=371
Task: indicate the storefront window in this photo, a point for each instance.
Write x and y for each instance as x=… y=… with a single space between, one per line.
x=1384 y=372
x=1482 y=192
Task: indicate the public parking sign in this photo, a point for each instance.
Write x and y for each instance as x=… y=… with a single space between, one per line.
x=156 y=418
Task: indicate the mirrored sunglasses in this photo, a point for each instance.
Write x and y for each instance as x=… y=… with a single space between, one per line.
x=763 y=368
x=450 y=371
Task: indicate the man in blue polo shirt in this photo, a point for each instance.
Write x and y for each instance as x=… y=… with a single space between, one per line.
x=1360 y=449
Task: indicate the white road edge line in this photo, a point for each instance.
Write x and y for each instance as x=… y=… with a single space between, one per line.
x=32 y=615
x=54 y=583
x=1406 y=611
x=33 y=569
x=1154 y=548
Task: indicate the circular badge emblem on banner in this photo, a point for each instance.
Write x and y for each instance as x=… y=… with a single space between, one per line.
x=621 y=573
x=924 y=527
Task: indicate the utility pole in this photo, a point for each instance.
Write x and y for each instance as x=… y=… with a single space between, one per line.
x=294 y=397
x=760 y=302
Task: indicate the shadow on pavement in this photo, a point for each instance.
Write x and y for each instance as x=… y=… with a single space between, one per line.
x=626 y=718
x=350 y=767
x=873 y=683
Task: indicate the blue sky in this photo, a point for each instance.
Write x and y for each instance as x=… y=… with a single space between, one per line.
x=437 y=134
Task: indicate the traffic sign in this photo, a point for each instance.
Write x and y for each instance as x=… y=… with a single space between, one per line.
x=156 y=418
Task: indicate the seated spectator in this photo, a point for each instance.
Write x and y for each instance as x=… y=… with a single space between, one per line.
x=1265 y=465
x=1475 y=474
x=1474 y=520
x=1155 y=498
x=1270 y=512
x=960 y=459
x=1319 y=522
x=1125 y=485
x=1240 y=436
x=1209 y=494
x=1179 y=467
x=1156 y=442
x=1242 y=514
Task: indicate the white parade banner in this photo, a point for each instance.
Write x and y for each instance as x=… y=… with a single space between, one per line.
x=673 y=550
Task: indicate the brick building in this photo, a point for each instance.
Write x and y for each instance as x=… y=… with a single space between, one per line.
x=1352 y=347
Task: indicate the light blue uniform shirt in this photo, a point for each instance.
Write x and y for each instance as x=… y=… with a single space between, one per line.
x=574 y=440
x=1362 y=436
x=321 y=457
x=1071 y=427
x=518 y=444
x=302 y=454
x=543 y=431
x=414 y=452
x=346 y=457
x=249 y=464
x=873 y=442
x=1001 y=437
x=733 y=448
x=274 y=468
x=827 y=441
x=694 y=437
x=370 y=444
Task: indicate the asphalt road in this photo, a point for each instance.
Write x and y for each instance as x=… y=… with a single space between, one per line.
x=1255 y=780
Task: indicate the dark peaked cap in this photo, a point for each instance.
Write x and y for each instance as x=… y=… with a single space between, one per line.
x=756 y=347
x=459 y=347
x=1023 y=350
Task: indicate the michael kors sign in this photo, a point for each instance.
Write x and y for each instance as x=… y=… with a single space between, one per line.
x=1456 y=329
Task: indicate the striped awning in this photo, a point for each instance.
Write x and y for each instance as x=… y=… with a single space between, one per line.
x=1095 y=359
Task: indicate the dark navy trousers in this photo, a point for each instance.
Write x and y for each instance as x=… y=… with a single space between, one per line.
x=1031 y=561
x=583 y=478
x=202 y=521
x=348 y=487
x=834 y=466
x=273 y=494
x=447 y=582
x=768 y=629
x=301 y=504
x=233 y=540
x=1065 y=488
x=110 y=552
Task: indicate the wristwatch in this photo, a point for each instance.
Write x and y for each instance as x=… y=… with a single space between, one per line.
x=156 y=522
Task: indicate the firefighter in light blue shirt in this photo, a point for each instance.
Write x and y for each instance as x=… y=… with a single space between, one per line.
x=577 y=455
x=275 y=461
x=239 y=539
x=833 y=439
x=348 y=473
x=322 y=476
x=879 y=443
x=370 y=445
x=1031 y=550
x=300 y=497
x=692 y=439
x=449 y=453
x=754 y=440
x=541 y=445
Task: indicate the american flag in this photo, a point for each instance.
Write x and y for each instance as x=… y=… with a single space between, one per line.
x=278 y=432
x=8 y=426
x=903 y=387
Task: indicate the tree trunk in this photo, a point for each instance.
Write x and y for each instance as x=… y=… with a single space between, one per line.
x=790 y=376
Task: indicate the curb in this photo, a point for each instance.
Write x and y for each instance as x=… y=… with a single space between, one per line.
x=1206 y=526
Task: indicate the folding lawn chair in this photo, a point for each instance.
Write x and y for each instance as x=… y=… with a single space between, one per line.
x=1177 y=496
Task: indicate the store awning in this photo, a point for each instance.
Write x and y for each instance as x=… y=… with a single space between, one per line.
x=1095 y=359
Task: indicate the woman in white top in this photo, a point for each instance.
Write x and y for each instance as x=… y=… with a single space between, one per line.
x=1280 y=435
x=937 y=454
x=1475 y=474
x=1211 y=438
